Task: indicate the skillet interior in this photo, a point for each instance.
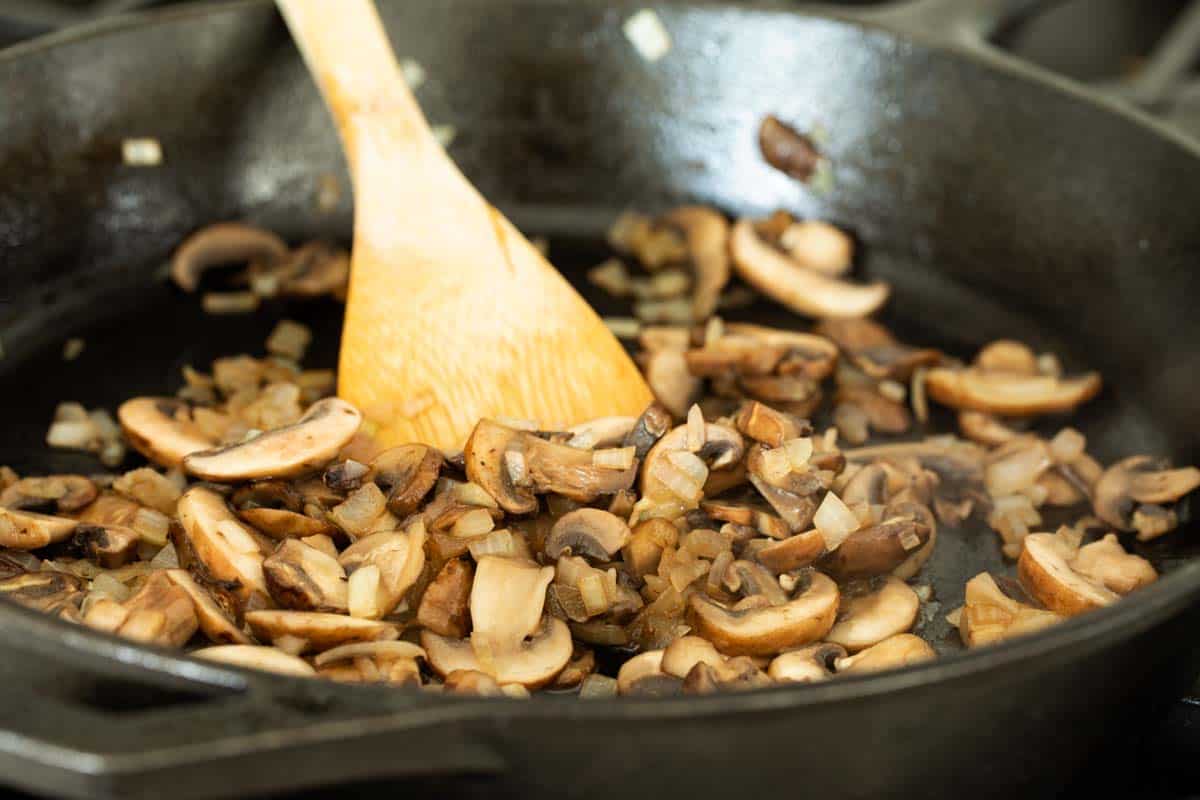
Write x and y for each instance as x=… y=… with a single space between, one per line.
x=994 y=208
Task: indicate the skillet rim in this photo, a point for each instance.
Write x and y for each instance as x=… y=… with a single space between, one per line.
x=1122 y=620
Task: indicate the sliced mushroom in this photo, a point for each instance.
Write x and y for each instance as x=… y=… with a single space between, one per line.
x=219 y=244
x=877 y=549
x=989 y=615
x=664 y=477
x=221 y=549
x=806 y=665
x=686 y=652
x=316 y=630
x=794 y=394
x=802 y=290
x=642 y=675
x=27 y=530
x=250 y=656
x=17 y=562
x=756 y=517
x=1009 y=394
x=707 y=235
x=284 y=452
x=398 y=557
x=786 y=149
x=66 y=493
x=735 y=674
x=671 y=380
x=445 y=608
x=54 y=593
x=649 y=538
x=406 y=474
x=868 y=619
x=161 y=429
x=587 y=532
x=213 y=621
x=747 y=579
x=1139 y=480
x=794 y=552
x=869 y=485
x=160 y=612
x=985 y=428
x=279 y=523
x=535 y=663
x=110 y=546
x=874 y=350
x=882 y=414
x=601 y=432
x=487 y=455
x=1045 y=572
x=767 y=630
x=764 y=424
x=1107 y=563
x=895 y=652
x=305 y=579
x=314 y=269
x=651 y=426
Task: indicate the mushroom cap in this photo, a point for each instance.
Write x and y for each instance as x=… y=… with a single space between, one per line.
x=767 y=630
x=1009 y=394
x=1138 y=479
x=1044 y=571
x=222 y=243
x=28 y=530
x=802 y=290
x=707 y=234
x=534 y=664
x=587 y=532
x=871 y=618
x=723 y=447
x=897 y=651
x=318 y=630
x=153 y=427
x=445 y=605
x=260 y=657
x=213 y=621
x=483 y=455
x=806 y=665
x=406 y=474
x=284 y=452
x=202 y=514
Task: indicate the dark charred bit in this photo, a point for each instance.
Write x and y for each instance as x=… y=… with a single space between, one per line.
x=787 y=150
x=110 y=546
x=651 y=426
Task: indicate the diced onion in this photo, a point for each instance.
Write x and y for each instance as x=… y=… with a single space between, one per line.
x=362 y=592
x=165 y=558
x=799 y=451
x=71 y=435
x=107 y=584
x=1067 y=445
x=955 y=617
x=835 y=521
x=473 y=523
x=152 y=526
x=696 y=434
x=623 y=327
x=714 y=329
x=776 y=465
x=496 y=543
x=514 y=464
x=614 y=458
x=472 y=494
x=1017 y=471
x=892 y=390
x=141 y=152
x=596 y=687
x=647 y=34
x=592 y=591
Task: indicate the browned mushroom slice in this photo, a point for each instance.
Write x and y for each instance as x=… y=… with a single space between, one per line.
x=305 y=579
x=1107 y=563
x=581 y=665
x=748 y=514
x=158 y=613
x=66 y=493
x=219 y=244
x=110 y=546
x=873 y=349
x=643 y=676
x=767 y=630
x=800 y=289
x=1045 y=572
x=223 y=549
x=869 y=485
x=406 y=474
x=985 y=428
x=495 y=459
x=646 y=544
x=318 y=631
x=803 y=355
x=161 y=429
x=882 y=414
x=1009 y=394
x=1139 y=480
x=674 y=475
x=602 y=432
x=214 y=622
x=989 y=615
x=770 y=427
x=250 y=656
x=898 y=651
x=49 y=592
x=707 y=235
x=28 y=530
x=796 y=510
x=799 y=395
x=587 y=532
x=791 y=553
x=786 y=149
x=651 y=426
x=284 y=452
x=571 y=472
x=279 y=523
x=445 y=606
x=671 y=380
x=535 y=662
x=806 y=665
x=877 y=549
x=17 y=562
x=868 y=619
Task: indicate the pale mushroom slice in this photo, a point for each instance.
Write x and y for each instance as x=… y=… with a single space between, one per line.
x=303 y=578
x=794 y=552
x=220 y=244
x=768 y=630
x=316 y=630
x=895 y=652
x=67 y=493
x=535 y=662
x=284 y=452
x=669 y=377
x=1045 y=572
x=802 y=290
x=1139 y=481
x=160 y=613
x=214 y=622
x=507 y=598
x=161 y=429
x=707 y=234
x=643 y=675
x=806 y=665
x=251 y=656
x=1107 y=563
x=1009 y=394
x=870 y=618
x=588 y=532
x=28 y=530
x=224 y=550
x=989 y=615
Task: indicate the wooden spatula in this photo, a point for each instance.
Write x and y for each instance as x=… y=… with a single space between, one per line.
x=452 y=315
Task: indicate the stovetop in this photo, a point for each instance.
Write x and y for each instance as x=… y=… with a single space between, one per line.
x=1141 y=52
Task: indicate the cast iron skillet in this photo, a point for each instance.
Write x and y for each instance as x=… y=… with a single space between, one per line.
x=997 y=200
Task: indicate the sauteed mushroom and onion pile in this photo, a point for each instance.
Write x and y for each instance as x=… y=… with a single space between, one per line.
x=765 y=522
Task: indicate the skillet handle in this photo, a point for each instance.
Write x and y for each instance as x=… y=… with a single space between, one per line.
x=86 y=715
x=963 y=22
